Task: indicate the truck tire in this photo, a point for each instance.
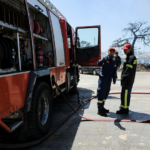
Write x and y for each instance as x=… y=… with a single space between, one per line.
x=39 y=118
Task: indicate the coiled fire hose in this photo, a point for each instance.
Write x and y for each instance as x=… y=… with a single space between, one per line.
x=30 y=144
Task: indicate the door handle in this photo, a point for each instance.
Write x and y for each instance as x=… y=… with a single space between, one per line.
x=61 y=63
x=40 y=9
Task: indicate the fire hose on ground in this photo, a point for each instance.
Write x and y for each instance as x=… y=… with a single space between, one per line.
x=33 y=143
x=116 y=120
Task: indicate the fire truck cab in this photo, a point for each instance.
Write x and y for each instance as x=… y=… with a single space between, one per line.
x=38 y=46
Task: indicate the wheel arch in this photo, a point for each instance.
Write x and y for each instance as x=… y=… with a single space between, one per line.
x=36 y=76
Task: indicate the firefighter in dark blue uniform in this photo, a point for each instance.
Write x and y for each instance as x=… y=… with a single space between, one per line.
x=127 y=79
x=107 y=73
x=118 y=62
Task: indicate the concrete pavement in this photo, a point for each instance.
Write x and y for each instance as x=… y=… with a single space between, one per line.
x=78 y=134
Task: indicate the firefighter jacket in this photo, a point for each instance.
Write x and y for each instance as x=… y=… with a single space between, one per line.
x=108 y=68
x=118 y=61
x=129 y=70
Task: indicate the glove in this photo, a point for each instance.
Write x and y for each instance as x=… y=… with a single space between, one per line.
x=114 y=80
x=103 y=60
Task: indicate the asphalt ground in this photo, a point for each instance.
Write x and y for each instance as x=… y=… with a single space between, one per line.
x=78 y=134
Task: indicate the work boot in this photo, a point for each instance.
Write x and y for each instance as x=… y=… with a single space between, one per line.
x=105 y=110
x=102 y=113
x=122 y=111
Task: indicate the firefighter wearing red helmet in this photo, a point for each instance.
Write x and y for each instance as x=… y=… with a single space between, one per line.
x=108 y=71
x=127 y=79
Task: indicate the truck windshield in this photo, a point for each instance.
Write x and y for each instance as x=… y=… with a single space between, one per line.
x=87 y=37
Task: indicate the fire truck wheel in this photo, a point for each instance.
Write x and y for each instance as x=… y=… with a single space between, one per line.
x=39 y=118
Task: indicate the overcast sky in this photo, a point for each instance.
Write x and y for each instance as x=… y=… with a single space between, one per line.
x=112 y=15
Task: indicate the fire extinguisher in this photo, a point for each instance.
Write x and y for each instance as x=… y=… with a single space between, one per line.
x=48 y=56
x=49 y=59
x=39 y=53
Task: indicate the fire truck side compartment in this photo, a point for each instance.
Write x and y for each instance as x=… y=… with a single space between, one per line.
x=12 y=92
x=18 y=78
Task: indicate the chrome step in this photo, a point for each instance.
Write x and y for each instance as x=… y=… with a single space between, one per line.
x=15 y=125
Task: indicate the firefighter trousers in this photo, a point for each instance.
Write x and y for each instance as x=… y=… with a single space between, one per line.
x=103 y=91
x=125 y=97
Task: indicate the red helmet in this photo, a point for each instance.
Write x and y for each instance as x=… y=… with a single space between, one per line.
x=112 y=48
x=127 y=46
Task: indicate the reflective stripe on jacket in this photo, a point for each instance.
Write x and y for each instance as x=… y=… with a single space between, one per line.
x=129 y=70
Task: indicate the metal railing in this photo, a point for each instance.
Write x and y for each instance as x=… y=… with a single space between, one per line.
x=51 y=7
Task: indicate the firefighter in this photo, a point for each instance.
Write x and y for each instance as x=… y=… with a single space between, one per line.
x=108 y=71
x=118 y=62
x=127 y=79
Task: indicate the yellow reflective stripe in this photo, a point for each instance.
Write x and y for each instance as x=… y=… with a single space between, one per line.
x=124 y=107
x=135 y=62
x=128 y=65
x=103 y=63
x=125 y=61
x=100 y=101
x=73 y=65
x=125 y=100
x=115 y=66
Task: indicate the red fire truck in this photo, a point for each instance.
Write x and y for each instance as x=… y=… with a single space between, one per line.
x=37 y=46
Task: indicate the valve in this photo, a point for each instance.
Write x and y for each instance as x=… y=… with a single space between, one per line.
x=13 y=58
